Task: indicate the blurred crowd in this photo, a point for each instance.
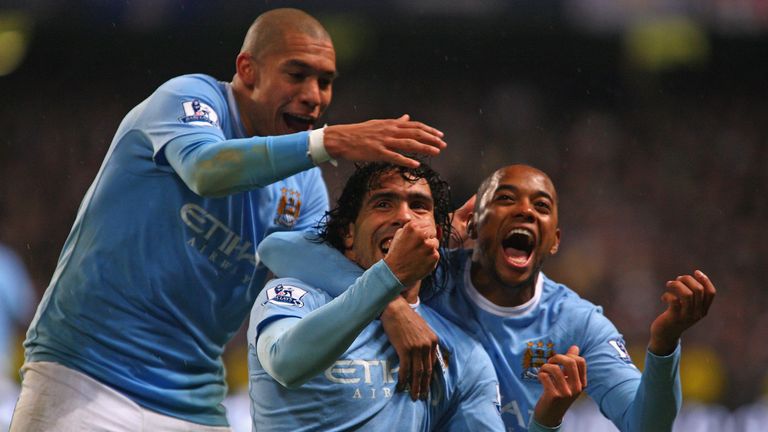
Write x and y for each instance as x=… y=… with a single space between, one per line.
x=659 y=173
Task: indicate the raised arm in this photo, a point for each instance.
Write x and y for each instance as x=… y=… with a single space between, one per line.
x=652 y=402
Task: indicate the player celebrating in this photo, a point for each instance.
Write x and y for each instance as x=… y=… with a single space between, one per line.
x=389 y=218
x=499 y=295
x=160 y=270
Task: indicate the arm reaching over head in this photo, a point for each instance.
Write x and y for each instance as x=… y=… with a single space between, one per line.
x=383 y=140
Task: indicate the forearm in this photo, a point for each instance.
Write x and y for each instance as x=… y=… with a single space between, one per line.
x=657 y=399
x=216 y=168
x=292 y=354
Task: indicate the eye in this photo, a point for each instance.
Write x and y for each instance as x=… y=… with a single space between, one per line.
x=543 y=206
x=504 y=197
x=324 y=83
x=382 y=204
x=421 y=206
x=297 y=76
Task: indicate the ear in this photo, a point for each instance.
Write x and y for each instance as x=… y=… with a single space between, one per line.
x=349 y=237
x=472 y=226
x=553 y=250
x=247 y=69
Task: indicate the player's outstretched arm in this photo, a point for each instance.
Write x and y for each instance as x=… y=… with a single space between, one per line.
x=688 y=300
x=563 y=378
x=383 y=140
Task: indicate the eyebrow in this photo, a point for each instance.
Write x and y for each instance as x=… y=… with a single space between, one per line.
x=512 y=188
x=394 y=195
x=300 y=64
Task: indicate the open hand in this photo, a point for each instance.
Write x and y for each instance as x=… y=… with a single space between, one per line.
x=383 y=140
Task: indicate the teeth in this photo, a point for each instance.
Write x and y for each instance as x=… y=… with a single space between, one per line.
x=522 y=231
x=385 y=245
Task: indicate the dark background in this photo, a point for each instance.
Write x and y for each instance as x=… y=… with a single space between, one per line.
x=650 y=118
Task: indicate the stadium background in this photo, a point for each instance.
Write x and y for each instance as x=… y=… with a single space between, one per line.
x=649 y=116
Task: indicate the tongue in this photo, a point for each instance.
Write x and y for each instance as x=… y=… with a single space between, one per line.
x=517 y=256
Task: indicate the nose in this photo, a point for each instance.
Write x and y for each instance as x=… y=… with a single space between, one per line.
x=524 y=211
x=403 y=215
x=311 y=93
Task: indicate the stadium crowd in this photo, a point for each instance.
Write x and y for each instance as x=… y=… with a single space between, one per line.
x=658 y=173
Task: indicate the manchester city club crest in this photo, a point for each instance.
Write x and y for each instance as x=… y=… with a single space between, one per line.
x=289 y=207
x=535 y=356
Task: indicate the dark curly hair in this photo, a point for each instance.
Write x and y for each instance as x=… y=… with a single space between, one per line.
x=333 y=226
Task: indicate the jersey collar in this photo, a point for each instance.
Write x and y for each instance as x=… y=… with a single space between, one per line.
x=234 y=113
x=502 y=311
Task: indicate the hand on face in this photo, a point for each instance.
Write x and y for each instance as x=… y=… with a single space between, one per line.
x=413 y=253
x=688 y=299
x=563 y=377
x=383 y=140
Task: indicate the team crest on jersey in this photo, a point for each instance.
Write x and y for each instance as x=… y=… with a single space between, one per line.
x=535 y=356
x=621 y=349
x=199 y=114
x=286 y=295
x=288 y=208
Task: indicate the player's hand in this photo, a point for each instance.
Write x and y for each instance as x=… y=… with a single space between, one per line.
x=688 y=299
x=415 y=344
x=413 y=253
x=459 y=221
x=563 y=377
x=383 y=140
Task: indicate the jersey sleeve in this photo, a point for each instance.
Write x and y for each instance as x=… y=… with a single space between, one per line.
x=182 y=120
x=633 y=401
x=294 y=346
x=284 y=252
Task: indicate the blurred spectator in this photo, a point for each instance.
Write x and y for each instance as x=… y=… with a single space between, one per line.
x=16 y=302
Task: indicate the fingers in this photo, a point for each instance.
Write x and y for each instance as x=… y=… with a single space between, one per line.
x=404 y=374
x=573 y=374
x=427 y=359
x=555 y=381
x=581 y=363
x=709 y=289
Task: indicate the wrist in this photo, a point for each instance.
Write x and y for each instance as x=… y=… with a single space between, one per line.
x=316 y=147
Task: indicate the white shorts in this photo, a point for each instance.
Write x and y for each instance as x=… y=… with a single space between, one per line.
x=57 y=398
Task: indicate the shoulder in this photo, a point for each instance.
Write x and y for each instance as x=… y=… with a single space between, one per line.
x=290 y=294
x=566 y=300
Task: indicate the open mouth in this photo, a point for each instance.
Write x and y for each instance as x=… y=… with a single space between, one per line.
x=298 y=122
x=518 y=246
x=384 y=245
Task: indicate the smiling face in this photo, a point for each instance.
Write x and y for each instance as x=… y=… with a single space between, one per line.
x=515 y=227
x=390 y=204
x=288 y=87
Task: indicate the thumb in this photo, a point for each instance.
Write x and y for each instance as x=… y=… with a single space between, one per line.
x=573 y=350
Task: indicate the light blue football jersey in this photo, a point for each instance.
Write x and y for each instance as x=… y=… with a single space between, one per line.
x=153 y=279
x=520 y=339
x=357 y=392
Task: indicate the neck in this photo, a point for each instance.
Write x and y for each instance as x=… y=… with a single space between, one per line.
x=499 y=293
x=239 y=91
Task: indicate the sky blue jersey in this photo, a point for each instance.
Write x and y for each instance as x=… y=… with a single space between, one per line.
x=357 y=392
x=520 y=339
x=154 y=279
